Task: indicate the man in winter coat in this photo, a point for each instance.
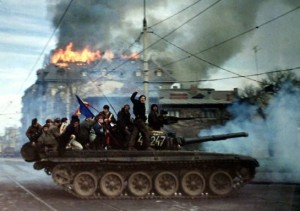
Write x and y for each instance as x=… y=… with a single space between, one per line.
x=139 y=125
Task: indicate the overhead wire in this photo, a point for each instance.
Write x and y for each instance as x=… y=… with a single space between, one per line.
x=189 y=81
x=207 y=80
x=47 y=43
x=221 y=43
x=190 y=55
x=93 y=81
x=235 y=36
x=43 y=50
x=137 y=40
x=171 y=32
x=123 y=52
x=184 y=23
x=106 y=98
x=234 y=77
x=88 y=75
x=204 y=60
x=159 y=22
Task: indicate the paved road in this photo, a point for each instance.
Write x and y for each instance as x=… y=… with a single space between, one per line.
x=22 y=188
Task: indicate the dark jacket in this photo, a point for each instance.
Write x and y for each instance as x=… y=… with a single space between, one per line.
x=139 y=109
x=124 y=119
x=70 y=130
x=155 y=120
x=33 y=132
x=109 y=115
x=85 y=129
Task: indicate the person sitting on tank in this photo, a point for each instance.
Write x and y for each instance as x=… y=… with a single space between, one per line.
x=139 y=125
x=34 y=131
x=108 y=116
x=46 y=142
x=85 y=129
x=49 y=122
x=63 y=125
x=68 y=140
x=51 y=136
x=99 y=130
x=155 y=120
x=109 y=124
x=124 y=123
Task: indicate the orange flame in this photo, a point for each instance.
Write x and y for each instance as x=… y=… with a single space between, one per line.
x=131 y=56
x=108 y=55
x=68 y=55
x=62 y=57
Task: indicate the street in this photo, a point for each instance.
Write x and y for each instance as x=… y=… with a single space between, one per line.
x=22 y=188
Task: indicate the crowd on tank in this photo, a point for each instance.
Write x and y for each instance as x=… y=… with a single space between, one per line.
x=97 y=132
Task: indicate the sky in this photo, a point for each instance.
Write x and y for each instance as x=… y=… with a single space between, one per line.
x=31 y=29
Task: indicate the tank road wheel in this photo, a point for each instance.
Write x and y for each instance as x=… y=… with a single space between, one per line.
x=112 y=184
x=193 y=183
x=139 y=183
x=166 y=183
x=85 y=184
x=61 y=175
x=38 y=165
x=245 y=173
x=220 y=183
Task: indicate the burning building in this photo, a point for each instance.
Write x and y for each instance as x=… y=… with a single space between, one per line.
x=89 y=74
x=92 y=75
x=78 y=66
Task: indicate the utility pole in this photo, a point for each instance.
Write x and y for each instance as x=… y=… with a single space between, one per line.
x=145 y=59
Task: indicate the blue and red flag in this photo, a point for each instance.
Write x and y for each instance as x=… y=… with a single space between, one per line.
x=83 y=108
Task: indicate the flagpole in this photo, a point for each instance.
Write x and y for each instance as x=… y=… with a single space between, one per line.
x=94 y=108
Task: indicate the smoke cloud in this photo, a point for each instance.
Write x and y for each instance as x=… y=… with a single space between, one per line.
x=274 y=141
x=115 y=24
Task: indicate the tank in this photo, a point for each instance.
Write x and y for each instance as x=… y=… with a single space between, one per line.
x=168 y=171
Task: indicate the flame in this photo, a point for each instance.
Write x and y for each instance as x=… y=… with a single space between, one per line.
x=131 y=56
x=108 y=55
x=63 y=56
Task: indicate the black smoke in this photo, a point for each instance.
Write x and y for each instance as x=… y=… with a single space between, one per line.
x=107 y=24
x=115 y=24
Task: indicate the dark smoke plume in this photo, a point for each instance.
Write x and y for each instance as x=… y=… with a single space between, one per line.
x=115 y=24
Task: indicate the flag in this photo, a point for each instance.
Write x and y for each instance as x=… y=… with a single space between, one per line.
x=83 y=108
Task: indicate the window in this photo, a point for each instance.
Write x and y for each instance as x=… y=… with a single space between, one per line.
x=209 y=113
x=173 y=113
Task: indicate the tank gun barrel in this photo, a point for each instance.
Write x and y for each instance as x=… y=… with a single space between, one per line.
x=196 y=140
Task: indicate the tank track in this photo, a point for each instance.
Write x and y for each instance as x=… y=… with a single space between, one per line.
x=228 y=174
